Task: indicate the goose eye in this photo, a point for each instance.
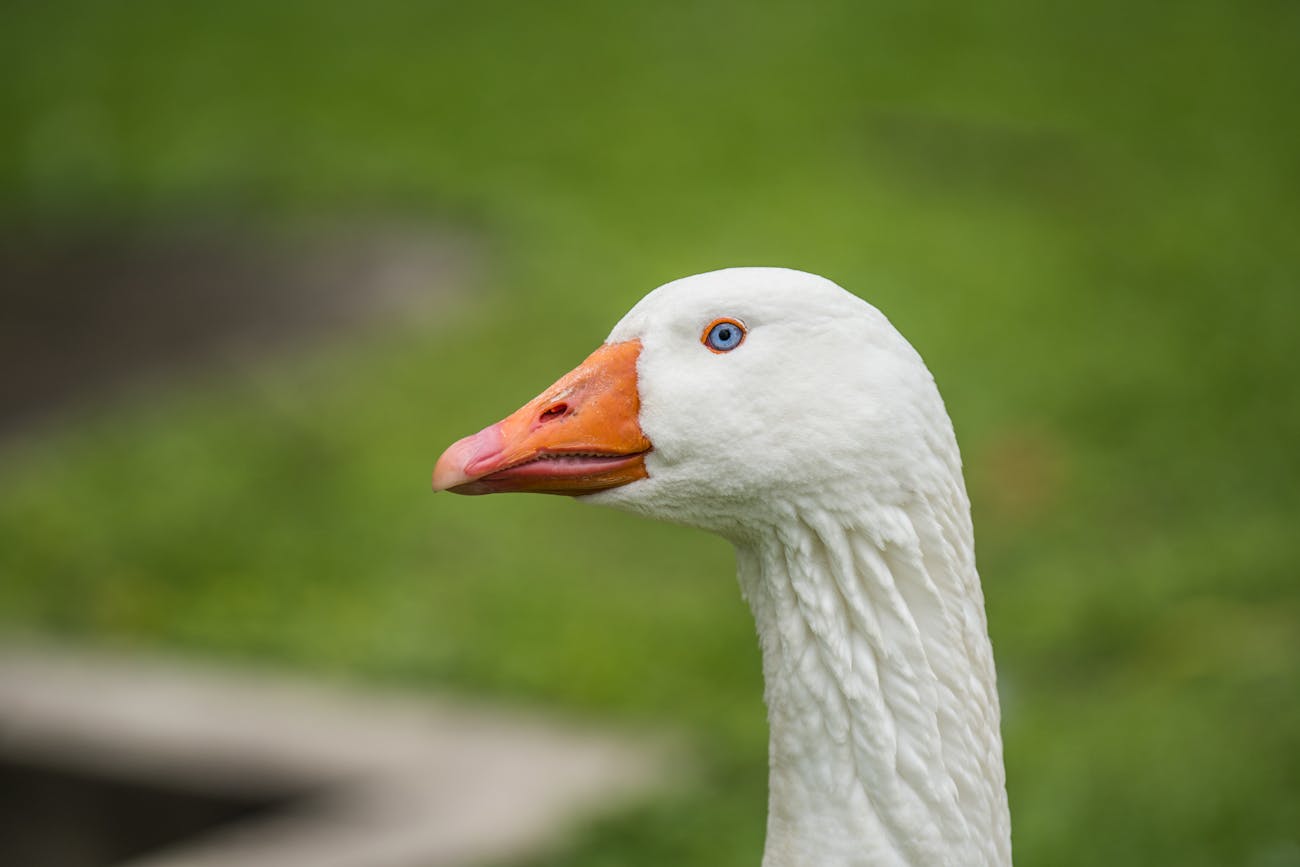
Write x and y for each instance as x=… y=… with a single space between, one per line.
x=723 y=335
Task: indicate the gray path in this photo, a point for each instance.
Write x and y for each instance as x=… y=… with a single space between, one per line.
x=401 y=781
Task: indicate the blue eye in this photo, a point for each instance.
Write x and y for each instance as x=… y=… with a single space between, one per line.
x=723 y=335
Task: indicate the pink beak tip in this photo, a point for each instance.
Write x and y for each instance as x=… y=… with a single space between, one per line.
x=458 y=463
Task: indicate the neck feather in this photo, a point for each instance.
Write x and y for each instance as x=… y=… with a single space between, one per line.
x=880 y=687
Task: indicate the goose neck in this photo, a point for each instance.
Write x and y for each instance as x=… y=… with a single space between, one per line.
x=880 y=688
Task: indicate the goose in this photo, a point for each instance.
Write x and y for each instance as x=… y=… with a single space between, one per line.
x=782 y=412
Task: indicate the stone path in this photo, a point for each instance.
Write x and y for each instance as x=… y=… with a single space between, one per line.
x=365 y=779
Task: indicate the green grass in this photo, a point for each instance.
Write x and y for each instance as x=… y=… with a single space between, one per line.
x=1085 y=218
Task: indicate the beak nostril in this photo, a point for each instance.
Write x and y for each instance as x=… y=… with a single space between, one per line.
x=551 y=413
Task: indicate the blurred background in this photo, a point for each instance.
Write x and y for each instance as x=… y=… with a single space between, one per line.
x=260 y=262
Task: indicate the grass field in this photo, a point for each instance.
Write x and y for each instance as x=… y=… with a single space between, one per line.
x=1086 y=219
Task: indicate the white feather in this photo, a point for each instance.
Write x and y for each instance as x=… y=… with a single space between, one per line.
x=821 y=448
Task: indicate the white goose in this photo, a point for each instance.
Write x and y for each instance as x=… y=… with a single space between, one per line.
x=780 y=411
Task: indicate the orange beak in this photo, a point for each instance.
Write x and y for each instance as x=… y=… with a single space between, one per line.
x=579 y=436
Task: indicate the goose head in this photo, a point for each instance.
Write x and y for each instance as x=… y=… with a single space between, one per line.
x=716 y=399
